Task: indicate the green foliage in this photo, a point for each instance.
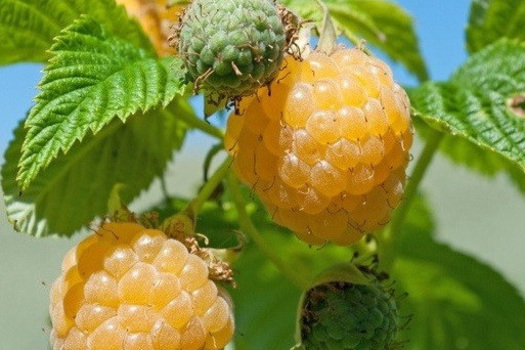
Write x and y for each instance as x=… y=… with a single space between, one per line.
x=75 y=188
x=27 y=27
x=381 y=22
x=92 y=78
x=455 y=301
x=491 y=20
x=306 y=9
x=385 y=25
x=473 y=107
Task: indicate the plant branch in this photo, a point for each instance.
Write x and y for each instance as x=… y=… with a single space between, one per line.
x=389 y=238
x=182 y=224
x=209 y=187
x=185 y=113
x=249 y=228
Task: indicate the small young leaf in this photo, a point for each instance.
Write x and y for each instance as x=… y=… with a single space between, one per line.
x=92 y=78
x=491 y=20
x=455 y=301
x=386 y=25
x=75 y=188
x=477 y=104
x=27 y=27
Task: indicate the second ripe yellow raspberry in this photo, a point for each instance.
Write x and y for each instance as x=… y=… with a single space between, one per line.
x=131 y=288
x=326 y=147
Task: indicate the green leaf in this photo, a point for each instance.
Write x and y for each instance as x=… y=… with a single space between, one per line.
x=473 y=108
x=75 y=188
x=27 y=27
x=309 y=10
x=385 y=25
x=92 y=78
x=491 y=20
x=465 y=153
x=455 y=301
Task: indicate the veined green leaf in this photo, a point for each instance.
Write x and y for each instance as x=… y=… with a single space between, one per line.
x=491 y=20
x=92 y=78
x=475 y=106
x=455 y=301
x=27 y=27
x=385 y=25
x=75 y=188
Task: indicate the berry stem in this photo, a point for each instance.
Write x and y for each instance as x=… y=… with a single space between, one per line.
x=390 y=237
x=328 y=35
x=209 y=187
x=249 y=228
x=186 y=114
x=182 y=224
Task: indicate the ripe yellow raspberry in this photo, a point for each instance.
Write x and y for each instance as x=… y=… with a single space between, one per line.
x=326 y=147
x=156 y=19
x=127 y=287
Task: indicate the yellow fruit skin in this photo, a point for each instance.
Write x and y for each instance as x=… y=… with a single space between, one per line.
x=128 y=287
x=326 y=146
x=156 y=19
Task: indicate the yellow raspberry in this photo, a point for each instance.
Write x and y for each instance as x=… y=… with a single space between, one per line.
x=127 y=287
x=156 y=19
x=326 y=147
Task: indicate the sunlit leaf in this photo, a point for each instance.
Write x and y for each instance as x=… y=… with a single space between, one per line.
x=476 y=109
x=382 y=23
x=491 y=20
x=93 y=78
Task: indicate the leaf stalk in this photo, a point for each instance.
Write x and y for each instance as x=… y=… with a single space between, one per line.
x=249 y=228
x=390 y=237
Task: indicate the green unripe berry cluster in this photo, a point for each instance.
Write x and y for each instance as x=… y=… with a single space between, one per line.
x=348 y=316
x=232 y=47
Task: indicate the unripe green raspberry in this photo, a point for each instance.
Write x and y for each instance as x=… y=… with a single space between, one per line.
x=348 y=314
x=231 y=48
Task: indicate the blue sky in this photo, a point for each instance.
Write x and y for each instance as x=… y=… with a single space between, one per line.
x=439 y=24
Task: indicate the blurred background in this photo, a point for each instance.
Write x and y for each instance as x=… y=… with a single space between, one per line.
x=480 y=216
